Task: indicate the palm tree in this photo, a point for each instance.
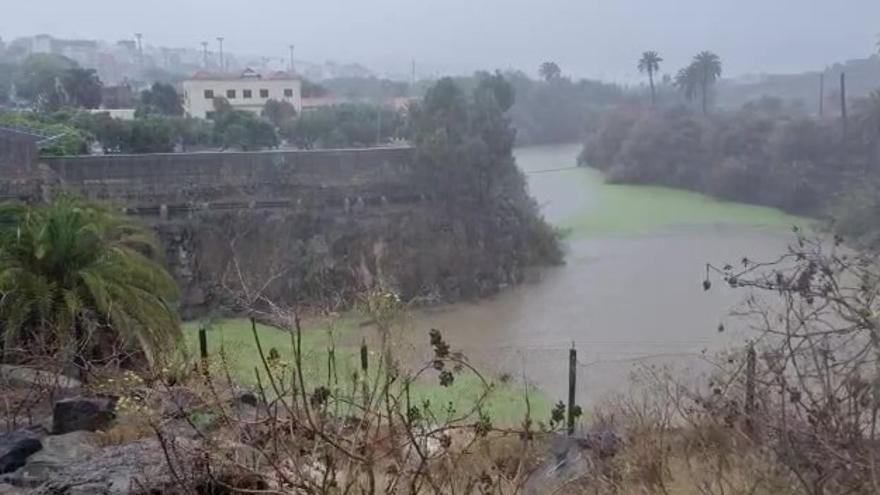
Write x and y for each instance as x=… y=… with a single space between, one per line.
x=707 y=69
x=549 y=71
x=686 y=80
x=78 y=279
x=650 y=63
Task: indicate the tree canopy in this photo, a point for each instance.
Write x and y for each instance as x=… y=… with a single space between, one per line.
x=550 y=71
x=162 y=99
x=82 y=88
x=700 y=75
x=51 y=82
x=241 y=129
x=277 y=111
x=38 y=80
x=650 y=64
x=347 y=125
x=464 y=144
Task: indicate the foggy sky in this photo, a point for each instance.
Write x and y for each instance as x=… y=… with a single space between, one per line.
x=595 y=38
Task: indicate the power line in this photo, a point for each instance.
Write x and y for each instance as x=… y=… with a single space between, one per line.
x=549 y=170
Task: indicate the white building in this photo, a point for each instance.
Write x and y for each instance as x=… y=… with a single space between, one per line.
x=248 y=91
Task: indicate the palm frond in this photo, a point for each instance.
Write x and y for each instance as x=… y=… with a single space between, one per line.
x=72 y=266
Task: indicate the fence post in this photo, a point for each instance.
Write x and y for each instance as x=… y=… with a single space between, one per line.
x=572 y=386
x=364 y=370
x=751 y=363
x=203 y=343
x=203 y=348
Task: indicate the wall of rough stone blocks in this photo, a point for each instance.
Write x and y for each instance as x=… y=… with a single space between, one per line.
x=353 y=217
x=180 y=179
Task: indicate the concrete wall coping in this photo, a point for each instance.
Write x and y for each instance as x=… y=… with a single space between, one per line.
x=225 y=153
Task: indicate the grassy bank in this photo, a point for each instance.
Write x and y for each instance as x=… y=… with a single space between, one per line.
x=233 y=338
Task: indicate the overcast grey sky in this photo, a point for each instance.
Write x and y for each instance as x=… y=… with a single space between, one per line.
x=596 y=38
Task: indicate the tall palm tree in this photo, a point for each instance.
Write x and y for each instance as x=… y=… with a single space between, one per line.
x=79 y=278
x=686 y=81
x=650 y=63
x=707 y=69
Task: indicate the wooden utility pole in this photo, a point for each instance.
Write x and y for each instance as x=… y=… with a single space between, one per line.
x=821 y=95
x=843 y=101
x=572 y=386
x=222 y=62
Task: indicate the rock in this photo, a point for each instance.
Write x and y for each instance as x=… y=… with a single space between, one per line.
x=17 y=446
x=21 y=376
x=80 y=413
x=138 y=467
x=6 y=489
x=58 y=452
x=572 y=458
x=247 y=397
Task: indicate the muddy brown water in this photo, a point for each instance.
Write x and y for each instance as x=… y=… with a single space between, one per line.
x=624 y=298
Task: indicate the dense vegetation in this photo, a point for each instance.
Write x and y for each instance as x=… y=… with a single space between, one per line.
x=57 y=94
x=81 y=281
x=465 y=143
x=555 y=109
x=760 y=154
x=347 y=125
x=155 y=131
x=51 y=82
x=69 y=140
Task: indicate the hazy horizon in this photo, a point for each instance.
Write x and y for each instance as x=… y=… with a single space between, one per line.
x=598 y=39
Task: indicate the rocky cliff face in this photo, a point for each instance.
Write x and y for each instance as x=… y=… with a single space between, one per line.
x=325 y=257
x=310 y=228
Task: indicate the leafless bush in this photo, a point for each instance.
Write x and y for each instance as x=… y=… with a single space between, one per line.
x=359 y=434
x=792 y=412
x=812 y=397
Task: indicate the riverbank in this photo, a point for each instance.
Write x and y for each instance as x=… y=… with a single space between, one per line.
x=629 y=294
x=799 y=164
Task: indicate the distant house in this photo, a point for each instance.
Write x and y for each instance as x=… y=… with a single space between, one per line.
x=247 y=91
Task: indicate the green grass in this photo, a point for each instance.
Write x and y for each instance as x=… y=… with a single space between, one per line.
x=234 y=338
